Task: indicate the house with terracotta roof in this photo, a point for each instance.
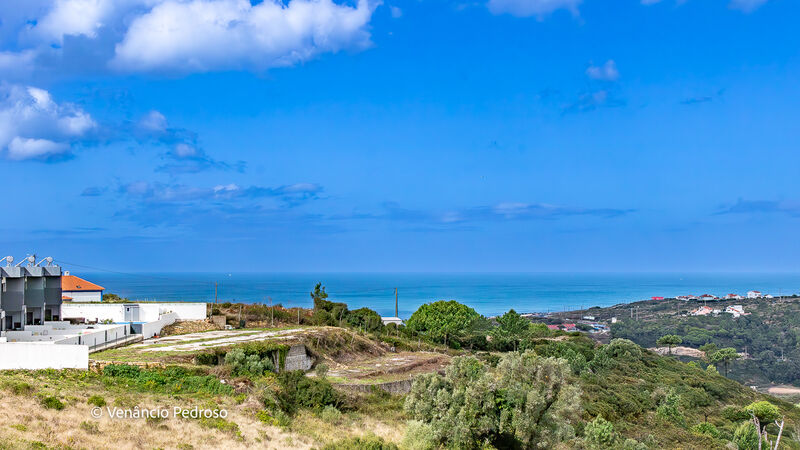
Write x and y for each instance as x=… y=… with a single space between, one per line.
x=77 y=289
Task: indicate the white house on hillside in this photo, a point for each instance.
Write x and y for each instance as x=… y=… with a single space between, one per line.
x=79 y=290
x=754 y=294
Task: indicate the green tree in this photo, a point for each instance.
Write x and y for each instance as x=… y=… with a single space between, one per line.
x=724 y=356
x=443 y=320
x=527 y=401
x=511 y=329
x=318 y=294
x=669 y=340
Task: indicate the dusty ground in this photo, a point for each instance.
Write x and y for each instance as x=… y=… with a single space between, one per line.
x=390 y=367
x=209 y=339
x=784 y=390
x=679 y=351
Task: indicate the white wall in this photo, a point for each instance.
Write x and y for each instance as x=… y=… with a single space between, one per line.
x=83 y=296
x=151 y=329
x=100 y=312
x=148 y=312
x=34 y=355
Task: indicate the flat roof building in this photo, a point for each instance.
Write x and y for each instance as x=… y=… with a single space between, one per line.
x=30 y=293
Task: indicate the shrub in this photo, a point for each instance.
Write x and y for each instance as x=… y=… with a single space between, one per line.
x=206 y=359
x=90 y=427
x=369 y=442
x=419 y=436
x=96 y=400
x=121 y=370
x=331 y=415
x=277 y=418
x=528 y=401
x=706 y=428
x=765 y=411
x=669 y=409
x=622 y=349
x=299 y=391
x=321 y=370
x=746 y=436
x=600 y=433
x=52 y=402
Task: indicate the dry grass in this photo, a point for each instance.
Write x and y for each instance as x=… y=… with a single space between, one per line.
x=23 y=421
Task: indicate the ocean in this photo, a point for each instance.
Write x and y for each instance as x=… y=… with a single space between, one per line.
x=490 y=294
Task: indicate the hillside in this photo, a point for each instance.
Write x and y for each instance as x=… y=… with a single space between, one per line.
x=768 y=336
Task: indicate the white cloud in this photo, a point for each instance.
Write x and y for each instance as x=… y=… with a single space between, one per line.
x=528 y=8
x=606 y=72
x=206 y=35
x=31 y=148
x=396 y=12
x=34 y=126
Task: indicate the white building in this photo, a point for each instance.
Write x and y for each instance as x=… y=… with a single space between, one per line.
x=754 y=294
x=77 y=289
x=736 y=310
x=702 y=311
x=733 y=297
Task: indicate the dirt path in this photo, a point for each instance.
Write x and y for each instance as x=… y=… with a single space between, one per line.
x=198 y=341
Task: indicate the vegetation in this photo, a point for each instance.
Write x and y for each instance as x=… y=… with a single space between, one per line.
x=669 y=340
x=446 y=322
x=527 y=399
x=769 y=333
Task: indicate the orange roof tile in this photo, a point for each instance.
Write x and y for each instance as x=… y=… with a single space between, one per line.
x=64 y=297
x=73 y=283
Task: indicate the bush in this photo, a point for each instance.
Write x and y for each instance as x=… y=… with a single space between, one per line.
x=172 y=380
x=361 y=443
x=419 y=436
x=96 y=400
x=51 y=402
x=600 y=433
x=331 y=415
x=528 y=401
x=746 y=436
x=243 y=364
x=706 y=428
x=299 y=391
x=669 y=409
x=321 y=370
x=90 y=427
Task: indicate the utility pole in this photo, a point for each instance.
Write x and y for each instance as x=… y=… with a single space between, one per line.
x=396 y=313
x=271 y=313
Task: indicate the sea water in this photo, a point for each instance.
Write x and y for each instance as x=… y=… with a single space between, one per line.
x=490 y=294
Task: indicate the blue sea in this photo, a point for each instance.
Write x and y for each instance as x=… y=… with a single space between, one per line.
x=490 y=294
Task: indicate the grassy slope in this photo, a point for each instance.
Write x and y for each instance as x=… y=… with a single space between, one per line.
x=628 y=394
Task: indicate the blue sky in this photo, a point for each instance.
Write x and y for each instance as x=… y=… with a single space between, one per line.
x=513 y=135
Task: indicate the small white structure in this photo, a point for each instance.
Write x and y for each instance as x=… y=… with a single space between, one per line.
x=733 y=297
x=754 y=294
x=708 y=297
x=395 y=320
x=702 y=311
x=77 y=289
x=736 y=310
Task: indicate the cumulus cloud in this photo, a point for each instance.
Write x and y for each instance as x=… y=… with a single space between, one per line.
x=606 y=72
x=529 y=8
x=178 y=36
x=203 y=35
x=34 y=126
